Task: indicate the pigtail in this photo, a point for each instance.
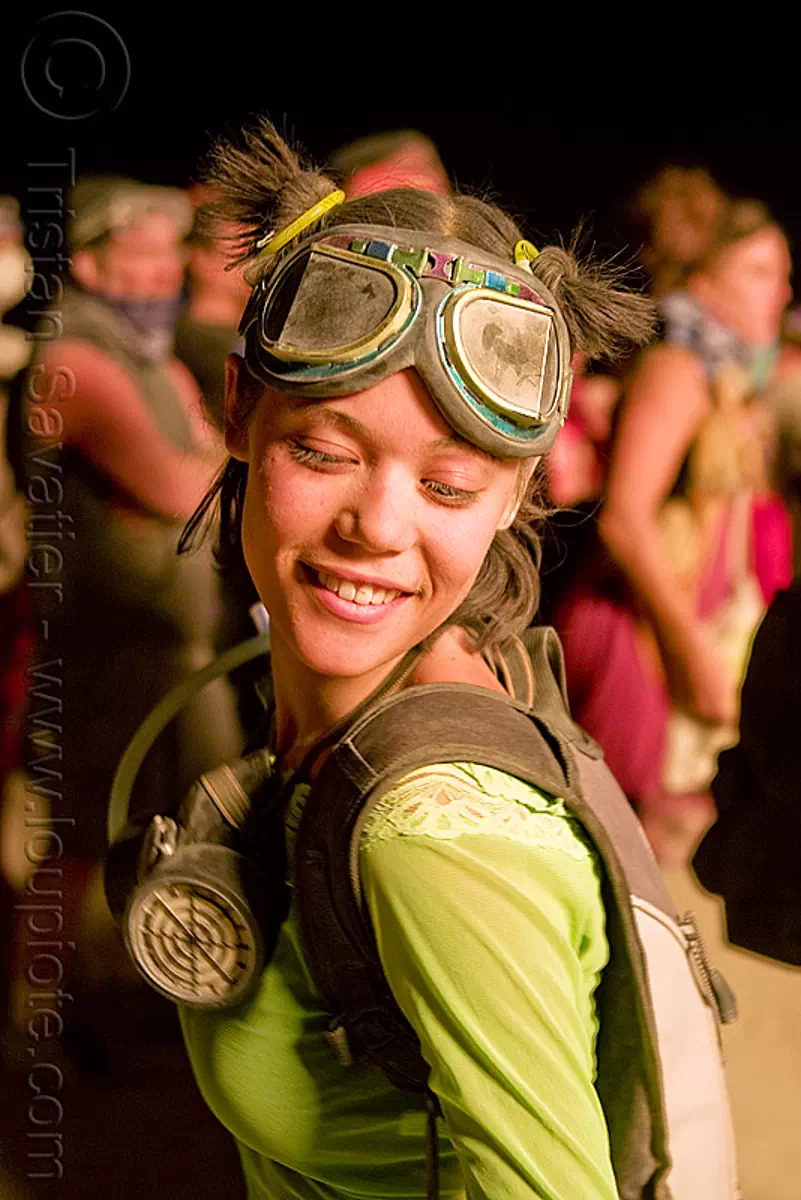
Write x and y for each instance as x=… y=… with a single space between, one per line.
x=604 y=319
x=261 y=185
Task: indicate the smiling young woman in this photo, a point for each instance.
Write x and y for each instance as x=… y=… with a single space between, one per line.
x=406 y=365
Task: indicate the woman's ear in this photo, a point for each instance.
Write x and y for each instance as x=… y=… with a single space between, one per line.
x=524 y=473
x=236 y=434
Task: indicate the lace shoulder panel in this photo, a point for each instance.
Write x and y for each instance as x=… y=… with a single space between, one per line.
x=455 y=800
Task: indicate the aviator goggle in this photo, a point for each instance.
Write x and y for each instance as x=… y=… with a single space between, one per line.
x=355 y=304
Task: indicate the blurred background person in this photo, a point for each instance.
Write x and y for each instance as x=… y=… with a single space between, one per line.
x=118 y=424
x=576 y=471
x=782 y=401
x=751 y=856
x=674 y=217
x=400 y=158
x=207 y=328
x=206 y=333
x=657 y=624
x=16 y=629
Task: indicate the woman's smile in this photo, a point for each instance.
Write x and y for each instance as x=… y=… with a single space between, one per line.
x=352 y=598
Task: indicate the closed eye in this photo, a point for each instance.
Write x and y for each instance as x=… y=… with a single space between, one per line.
x=446 y=493
x=443 y=493
x=307 y=454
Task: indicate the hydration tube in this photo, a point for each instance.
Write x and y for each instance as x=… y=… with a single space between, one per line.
x=168 y=708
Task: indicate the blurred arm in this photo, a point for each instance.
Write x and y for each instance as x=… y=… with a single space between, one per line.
x=666 y=404
x=101 y=414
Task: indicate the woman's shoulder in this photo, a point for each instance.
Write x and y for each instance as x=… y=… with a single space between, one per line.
x=446 y=801
x=457 y=843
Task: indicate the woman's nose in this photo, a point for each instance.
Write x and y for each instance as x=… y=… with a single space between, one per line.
x=380 y=516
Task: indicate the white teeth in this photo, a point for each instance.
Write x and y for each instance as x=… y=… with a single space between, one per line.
x=364 y=594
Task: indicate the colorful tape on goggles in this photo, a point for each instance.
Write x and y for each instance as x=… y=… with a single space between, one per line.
x=355 y=304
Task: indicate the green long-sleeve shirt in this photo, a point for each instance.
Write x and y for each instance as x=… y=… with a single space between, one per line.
x=485 y=899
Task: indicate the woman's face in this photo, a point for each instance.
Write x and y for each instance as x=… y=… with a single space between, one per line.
x=366 y=519
x=748 y=286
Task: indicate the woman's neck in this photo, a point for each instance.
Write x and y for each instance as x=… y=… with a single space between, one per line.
x=308 y=704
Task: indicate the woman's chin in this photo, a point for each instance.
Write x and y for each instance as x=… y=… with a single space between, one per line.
x=335 y=645
x=339 y=653
x=348 y=662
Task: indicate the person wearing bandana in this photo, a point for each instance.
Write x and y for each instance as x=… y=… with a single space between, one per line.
x=119 y=459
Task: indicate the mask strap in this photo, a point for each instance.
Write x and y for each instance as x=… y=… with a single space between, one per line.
x=167 y=708
x=272 y=242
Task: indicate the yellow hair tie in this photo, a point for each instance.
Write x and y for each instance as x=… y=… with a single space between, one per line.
x=525 y=253
x=278 y=240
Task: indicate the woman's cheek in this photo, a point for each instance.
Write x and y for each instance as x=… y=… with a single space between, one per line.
x=462 y=553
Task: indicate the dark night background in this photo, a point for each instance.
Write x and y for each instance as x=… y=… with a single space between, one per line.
x=555 y=149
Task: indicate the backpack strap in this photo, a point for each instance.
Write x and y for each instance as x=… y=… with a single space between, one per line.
x=541 y=746
x=511 y=662
x=461 y=722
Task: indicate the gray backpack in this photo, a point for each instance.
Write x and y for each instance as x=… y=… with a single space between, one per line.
x=660 y=1004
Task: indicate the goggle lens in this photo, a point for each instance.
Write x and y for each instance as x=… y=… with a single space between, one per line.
x=327 y=306
x=507 y=352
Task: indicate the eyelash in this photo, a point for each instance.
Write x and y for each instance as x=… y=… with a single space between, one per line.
x=445 y=493
x=306 y=454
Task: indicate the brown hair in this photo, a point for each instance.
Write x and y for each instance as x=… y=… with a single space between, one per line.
x=675 y=214
x=686 y=221
x=263 y=185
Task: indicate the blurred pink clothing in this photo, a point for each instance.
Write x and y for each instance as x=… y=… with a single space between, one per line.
x=772 y=545
x=616 y=693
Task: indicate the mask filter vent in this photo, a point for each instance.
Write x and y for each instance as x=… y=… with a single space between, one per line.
x=193 y=944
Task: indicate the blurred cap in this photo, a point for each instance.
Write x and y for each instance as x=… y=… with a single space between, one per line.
x=105 y=204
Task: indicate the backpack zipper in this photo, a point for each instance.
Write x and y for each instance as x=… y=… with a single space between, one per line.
x=713 y=985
